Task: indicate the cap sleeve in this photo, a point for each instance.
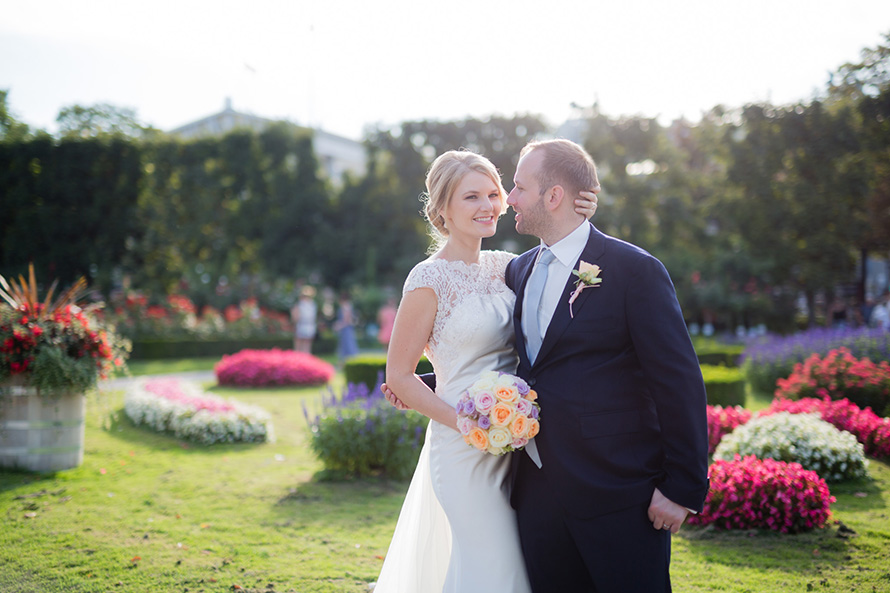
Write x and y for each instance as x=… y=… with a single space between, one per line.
x=423 y=275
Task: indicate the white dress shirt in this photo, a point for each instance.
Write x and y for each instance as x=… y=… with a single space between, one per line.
x=566 y=252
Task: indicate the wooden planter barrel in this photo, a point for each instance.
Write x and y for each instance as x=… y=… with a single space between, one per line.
x=40 y=433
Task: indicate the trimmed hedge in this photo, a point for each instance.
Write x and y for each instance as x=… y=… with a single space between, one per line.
x=366 y=369
x=725 y=386
x=717 y=353
x=157 y=349
x=727 y=358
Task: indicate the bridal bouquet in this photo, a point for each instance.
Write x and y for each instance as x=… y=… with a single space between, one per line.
x=498 y=413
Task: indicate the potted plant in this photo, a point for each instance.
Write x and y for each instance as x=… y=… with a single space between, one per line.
x=52 y=352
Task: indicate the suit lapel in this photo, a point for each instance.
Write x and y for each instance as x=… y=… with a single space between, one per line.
x=562 y=317
x=523 y=273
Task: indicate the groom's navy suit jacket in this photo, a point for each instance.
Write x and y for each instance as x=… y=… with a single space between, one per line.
x=623 y=405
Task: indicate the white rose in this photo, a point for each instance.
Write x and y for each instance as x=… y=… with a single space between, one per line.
x=499 y=437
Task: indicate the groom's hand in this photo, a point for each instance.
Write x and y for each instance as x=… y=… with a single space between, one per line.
x=666 y=514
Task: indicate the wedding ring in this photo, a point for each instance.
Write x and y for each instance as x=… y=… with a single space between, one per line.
x=665 y=526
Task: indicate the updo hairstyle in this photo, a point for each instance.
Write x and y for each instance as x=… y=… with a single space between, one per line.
x=445 y=174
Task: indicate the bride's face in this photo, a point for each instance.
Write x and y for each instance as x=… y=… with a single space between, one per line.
x=474 y=208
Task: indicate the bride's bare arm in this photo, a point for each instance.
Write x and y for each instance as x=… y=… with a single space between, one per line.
x=411 y=331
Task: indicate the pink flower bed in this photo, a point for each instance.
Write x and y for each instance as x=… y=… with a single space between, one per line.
x=269 y=368
x=751 y=493
x=839 y=375
x=722 y=421
x=871 y=430
x=171 y=389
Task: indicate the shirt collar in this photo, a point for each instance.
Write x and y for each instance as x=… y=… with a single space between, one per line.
x=568 y=249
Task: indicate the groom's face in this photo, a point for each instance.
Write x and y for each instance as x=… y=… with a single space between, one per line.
x=526 y=199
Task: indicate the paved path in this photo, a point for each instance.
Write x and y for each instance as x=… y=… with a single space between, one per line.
x=124 y=382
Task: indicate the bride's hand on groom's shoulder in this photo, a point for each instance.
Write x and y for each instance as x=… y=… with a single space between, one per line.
x=392 y=399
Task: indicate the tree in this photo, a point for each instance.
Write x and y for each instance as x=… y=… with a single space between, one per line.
x=800 y=204
x=865 y=85
x=101 y=119
x=11 y=129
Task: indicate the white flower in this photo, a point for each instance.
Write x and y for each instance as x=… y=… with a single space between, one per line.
x=834 y=454
x=499 y=437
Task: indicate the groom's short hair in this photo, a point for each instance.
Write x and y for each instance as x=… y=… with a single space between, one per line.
x=565 y=163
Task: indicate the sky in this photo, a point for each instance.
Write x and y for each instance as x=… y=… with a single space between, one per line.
x=345 y=65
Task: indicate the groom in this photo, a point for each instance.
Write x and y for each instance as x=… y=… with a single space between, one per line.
x=622 y=453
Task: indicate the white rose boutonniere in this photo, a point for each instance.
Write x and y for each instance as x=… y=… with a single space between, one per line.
x=588 y=277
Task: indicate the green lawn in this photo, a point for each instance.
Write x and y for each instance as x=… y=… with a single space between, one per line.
x=146 y=512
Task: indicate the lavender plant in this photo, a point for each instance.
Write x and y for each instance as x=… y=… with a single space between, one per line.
x=358 y=433
x=770 y=358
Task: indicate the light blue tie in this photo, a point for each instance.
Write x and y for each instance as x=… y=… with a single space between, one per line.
x=533 y=293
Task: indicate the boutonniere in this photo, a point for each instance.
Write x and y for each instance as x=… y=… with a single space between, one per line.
x=588 y=277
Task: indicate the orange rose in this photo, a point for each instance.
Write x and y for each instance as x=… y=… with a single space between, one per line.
x=506 y=394
x=478 y=438
x=501 y=414
x=520 y=425
x=532 y=395
x=534 y=427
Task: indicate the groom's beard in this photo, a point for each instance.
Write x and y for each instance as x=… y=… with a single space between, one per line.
x=535 y=220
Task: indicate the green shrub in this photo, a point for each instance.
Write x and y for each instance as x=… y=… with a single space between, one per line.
x=361 y=434
x=727 y=358
x=834 y=454
x=367 y=369
x=725 y=386
x=713 y=352
x=187 y=348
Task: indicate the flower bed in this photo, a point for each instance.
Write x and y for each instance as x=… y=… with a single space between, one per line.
x=184 y=409
x=803 y=438
x=869 y=429
x=722 y=421
x=272 y=368
x=840 y=375
x=768 y=359
x=361 y=434
x=176 y=316
x=752 y=493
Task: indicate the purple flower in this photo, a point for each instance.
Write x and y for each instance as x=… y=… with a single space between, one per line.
x=521 y=386
x=535 y=412
x=484 y=422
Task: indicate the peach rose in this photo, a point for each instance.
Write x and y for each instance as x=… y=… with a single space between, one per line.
x=519 y=426
x=506 y=394
x=478 y=438
x=534 y=427
x=532 y=395
x=501 y=414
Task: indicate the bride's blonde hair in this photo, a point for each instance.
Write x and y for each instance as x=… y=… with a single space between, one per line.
x=446 y=172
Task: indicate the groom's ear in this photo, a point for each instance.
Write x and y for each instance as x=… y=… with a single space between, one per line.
x=554 y=197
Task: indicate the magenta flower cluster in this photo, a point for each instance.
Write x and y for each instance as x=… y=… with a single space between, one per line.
x=752 y=493
x=722 y=421
x=271 y=368
x=871 y=430
x=171 y=389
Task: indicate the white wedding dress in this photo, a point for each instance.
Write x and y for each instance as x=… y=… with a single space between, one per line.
x=456 y=531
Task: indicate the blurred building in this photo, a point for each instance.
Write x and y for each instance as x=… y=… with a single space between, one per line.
x=336 y=155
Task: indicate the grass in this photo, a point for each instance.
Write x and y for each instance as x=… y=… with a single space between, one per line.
x=147 y=512
x=155 y=367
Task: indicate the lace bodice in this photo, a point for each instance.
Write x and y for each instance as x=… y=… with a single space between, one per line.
x=473 y=329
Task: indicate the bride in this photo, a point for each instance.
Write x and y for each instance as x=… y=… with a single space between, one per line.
x=456 y=531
